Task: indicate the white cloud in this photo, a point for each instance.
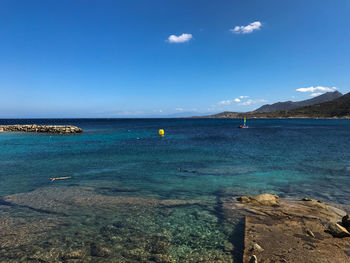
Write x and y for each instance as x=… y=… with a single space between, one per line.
x=251 y=101
x=247 y=29
x=248 y=102
x=320 y=89
x=228 y=102
x=180 y=39
x=316 y=94
x=179 y=109
x=225 y=102
x=241 y=100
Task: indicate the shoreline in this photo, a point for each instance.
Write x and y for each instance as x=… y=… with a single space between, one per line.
x=274 y=229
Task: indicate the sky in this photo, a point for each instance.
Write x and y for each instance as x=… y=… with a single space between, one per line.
x=160 y=58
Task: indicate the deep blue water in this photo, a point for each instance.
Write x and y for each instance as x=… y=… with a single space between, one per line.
x=288 y=157
x=197 y=159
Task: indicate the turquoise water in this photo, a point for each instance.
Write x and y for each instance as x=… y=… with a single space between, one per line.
x=131 y=189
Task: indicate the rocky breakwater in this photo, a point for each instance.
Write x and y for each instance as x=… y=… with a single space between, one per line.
x=283 y=230
x=55 y=129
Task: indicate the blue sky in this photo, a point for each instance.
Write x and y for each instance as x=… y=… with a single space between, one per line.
x=158 y=58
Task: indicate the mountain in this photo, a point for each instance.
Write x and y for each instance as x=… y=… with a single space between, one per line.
x=225 y=114
x=336 y=108
x=290 y=105
x=339 y=107
x=186 y=114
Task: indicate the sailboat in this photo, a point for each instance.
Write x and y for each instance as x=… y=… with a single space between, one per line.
x=244 y=126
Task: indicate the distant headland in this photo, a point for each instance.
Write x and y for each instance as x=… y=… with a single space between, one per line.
x=328 y=105
x=55 y=129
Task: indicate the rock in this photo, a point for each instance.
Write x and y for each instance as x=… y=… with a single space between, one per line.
x=75 y=254
x=262 y=199
x=253 y=259
x=337 y=230
x=310 y=233
x=257 y=248
x=140 y=255
x=161 y=247
x=160 y=258
x=306 y=199
x=98 y=251
x=282 y=231
x=57 y=129
x=346 y=221
x=228 y=247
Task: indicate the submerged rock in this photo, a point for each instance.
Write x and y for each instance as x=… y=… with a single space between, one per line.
x=16 y=231
x=109 y=228
x=262 y=199
x=99 y=251
x=228 y=247
x=137 y=254
x=160 y=258
x=161 y=247
x=75 y=254
x=67 y=200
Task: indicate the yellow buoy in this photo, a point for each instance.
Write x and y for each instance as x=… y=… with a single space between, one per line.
x=161 y=132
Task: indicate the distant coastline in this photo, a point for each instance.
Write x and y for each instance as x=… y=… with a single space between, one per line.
x=338 y=108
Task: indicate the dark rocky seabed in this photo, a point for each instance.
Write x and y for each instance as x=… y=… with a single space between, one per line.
x=135 y=197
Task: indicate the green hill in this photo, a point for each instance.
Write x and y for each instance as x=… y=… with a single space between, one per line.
x=291 y=105
x=336 y=108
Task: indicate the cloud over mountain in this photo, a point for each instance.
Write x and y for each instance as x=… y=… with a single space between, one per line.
x=317 y=89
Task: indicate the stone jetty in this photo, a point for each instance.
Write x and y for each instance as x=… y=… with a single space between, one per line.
x=282 y=230
x=56 y=129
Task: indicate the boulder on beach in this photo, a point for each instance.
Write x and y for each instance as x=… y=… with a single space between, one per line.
x=262 y=199
x=337 y=230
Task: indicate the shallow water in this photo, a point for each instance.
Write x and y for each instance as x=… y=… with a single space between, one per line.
x=118 y=166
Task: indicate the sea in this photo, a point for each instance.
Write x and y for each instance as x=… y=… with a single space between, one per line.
x=135 y=196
